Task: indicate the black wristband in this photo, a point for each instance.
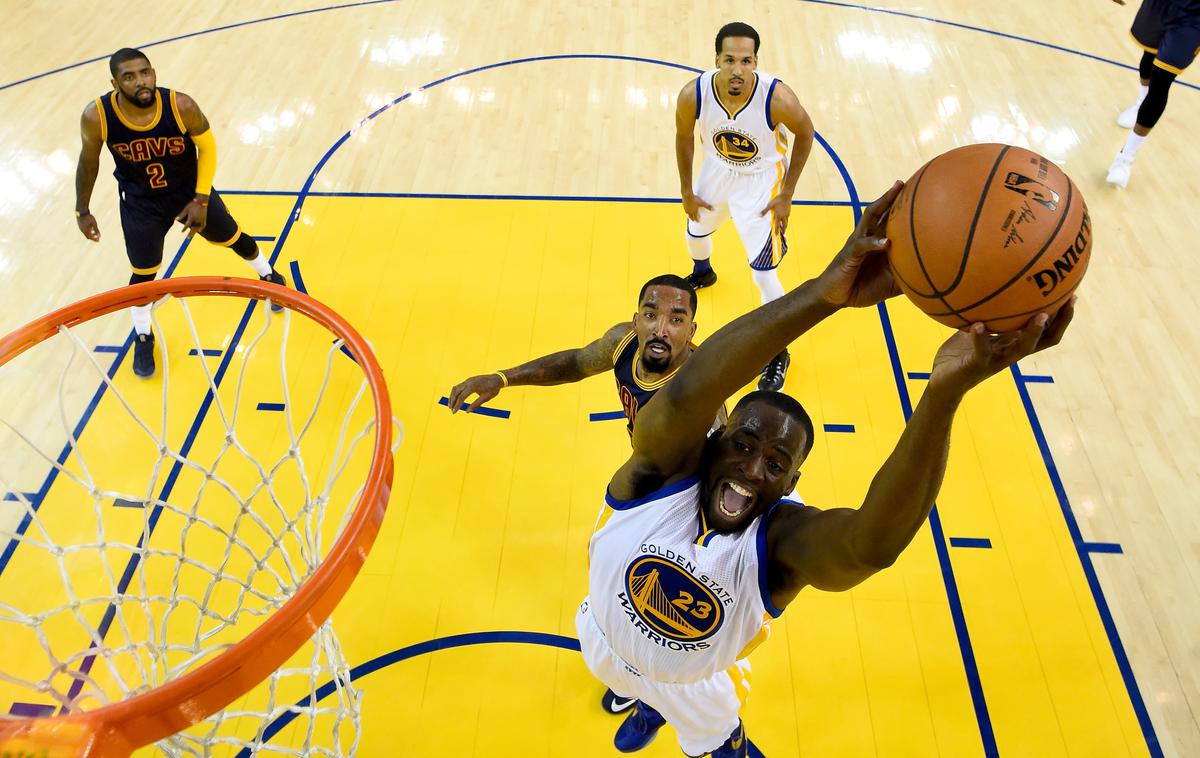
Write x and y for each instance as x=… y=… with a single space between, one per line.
x=81 y=214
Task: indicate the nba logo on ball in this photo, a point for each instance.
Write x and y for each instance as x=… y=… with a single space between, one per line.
x=989 y=233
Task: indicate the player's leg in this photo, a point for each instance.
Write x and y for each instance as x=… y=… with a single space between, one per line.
x=1176 y=52
x=765 y=247
x=704 y=714
x=1147 y=33
x=221 y=229
x=1128 y=117
x=608 y=668
x=144 y=225
x=712 y=185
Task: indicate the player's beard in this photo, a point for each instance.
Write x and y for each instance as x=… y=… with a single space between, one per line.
x=656 y=365
x=141 y=102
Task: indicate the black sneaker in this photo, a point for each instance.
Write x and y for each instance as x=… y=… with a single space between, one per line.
x=143 y=355
x=700 y=281
x=775 y=372
x=275 y=278
x=614 y=703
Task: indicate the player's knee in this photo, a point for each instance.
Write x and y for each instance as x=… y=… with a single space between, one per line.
x=1146 y=66
x=245 y=246
x=1155 y=103
x=136 y=278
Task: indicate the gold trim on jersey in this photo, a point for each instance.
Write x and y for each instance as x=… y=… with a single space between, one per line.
x=1147 y=48
x=153 y=122
x=103 y=120
x=624 y=343
x=717 y=95
x=637 y=356
x=764 y=633
x=175 y=113
x=740 y=676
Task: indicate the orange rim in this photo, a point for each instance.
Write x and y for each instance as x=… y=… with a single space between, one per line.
x=118 y=729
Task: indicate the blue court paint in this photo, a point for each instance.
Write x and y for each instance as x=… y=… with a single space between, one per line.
x=1036 y=379
x=979 y=542
x=482 y=410
x=123 y=503
x=258 y=237
x=30 y=710
x=425 y=648
x=1102 y=547
x=211 y=353
x=298 y=283
x=13 y=497
x=1089 y=570
x=918 y=375
x=844 y=428
x=108 y=349
x=606 y=416
x=270 y=407
x=468 y=196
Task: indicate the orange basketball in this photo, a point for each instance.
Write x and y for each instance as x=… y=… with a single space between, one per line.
x=990 y=233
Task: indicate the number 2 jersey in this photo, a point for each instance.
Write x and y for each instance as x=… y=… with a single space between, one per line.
x=156 y=160
x=676 y=601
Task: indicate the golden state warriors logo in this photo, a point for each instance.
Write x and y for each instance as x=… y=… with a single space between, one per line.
x=671 y=602
x=735 y=147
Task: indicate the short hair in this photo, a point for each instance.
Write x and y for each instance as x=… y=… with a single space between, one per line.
x=785 y=403
x=737 y=29
x=671 y=280
x=122 y=55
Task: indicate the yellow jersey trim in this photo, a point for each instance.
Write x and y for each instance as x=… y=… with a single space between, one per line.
x=624 y=343
x=713 y=83
x=763 y=635
x=153 y=122
x=103 y=120
x=1138 y=42
x=144 y=271
x=651 y=385
x=175 y=113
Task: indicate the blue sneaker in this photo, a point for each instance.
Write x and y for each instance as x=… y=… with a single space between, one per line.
x=737 y=746
x=638 y=729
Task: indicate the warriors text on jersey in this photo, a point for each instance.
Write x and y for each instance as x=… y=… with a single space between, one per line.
x=745 y=140
x=676 y=601
x=158 y=159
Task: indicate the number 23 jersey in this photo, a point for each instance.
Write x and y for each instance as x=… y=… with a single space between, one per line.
x=676 y=601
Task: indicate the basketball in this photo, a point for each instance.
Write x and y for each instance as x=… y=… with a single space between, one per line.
x=989 y=233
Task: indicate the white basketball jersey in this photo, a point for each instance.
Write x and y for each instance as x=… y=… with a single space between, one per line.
x=746 y=140
x=676 y=601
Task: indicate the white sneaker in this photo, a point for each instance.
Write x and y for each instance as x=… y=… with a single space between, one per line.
x=1128 y=117
x=1118 y=172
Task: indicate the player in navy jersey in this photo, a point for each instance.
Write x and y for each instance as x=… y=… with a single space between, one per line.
x=643 y=354
x=165 y=160
x=1168 y=31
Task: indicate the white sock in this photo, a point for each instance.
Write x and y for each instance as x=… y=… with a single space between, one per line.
x=768 y=284
x=1132 y=143
x=260 y=264
x=700 y=248
x=141 y=318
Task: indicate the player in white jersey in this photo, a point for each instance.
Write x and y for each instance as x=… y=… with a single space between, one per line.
x=740 y=114
x=694 y=553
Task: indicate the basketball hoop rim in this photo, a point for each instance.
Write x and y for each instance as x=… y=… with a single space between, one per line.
x=119 y=728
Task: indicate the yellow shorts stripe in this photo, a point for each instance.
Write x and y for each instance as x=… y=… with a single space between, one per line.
x=1138 y=42
x=145 y=271
x=237 y=233
x=1167 y=67
x=739 y=674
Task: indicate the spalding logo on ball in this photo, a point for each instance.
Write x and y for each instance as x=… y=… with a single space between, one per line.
x=989 y=233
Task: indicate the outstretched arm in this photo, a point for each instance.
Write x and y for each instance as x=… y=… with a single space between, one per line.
x=839 y=548
x=86 y=171
x=670 y=432
x=557 y=368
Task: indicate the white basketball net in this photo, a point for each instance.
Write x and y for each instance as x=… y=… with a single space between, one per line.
x=171 y=531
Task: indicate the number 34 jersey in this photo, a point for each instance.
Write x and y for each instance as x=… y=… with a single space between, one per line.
x=157 y=159
x=744 y=140
x=676 y=601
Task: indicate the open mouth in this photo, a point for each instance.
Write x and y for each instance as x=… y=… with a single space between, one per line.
x=734 y=500
x=657 y=349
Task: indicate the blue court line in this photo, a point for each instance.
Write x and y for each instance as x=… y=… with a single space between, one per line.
x=123 y=503
x=992 y=32
x=482 y=410
x=470 y=196
x=847 y=428
x=1036 y=379
x=918 y=374
x=425 y=648
x=145 y=45
x=262 y=237
x=108 y=349
x=1084 y=551
x=270 y=407
x=210 y=352
x=982 y=542
x=1102 y=547
x=606 y=416
x=77 y=432
x=298 y=283
x=29 y=710
x=12 y=497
